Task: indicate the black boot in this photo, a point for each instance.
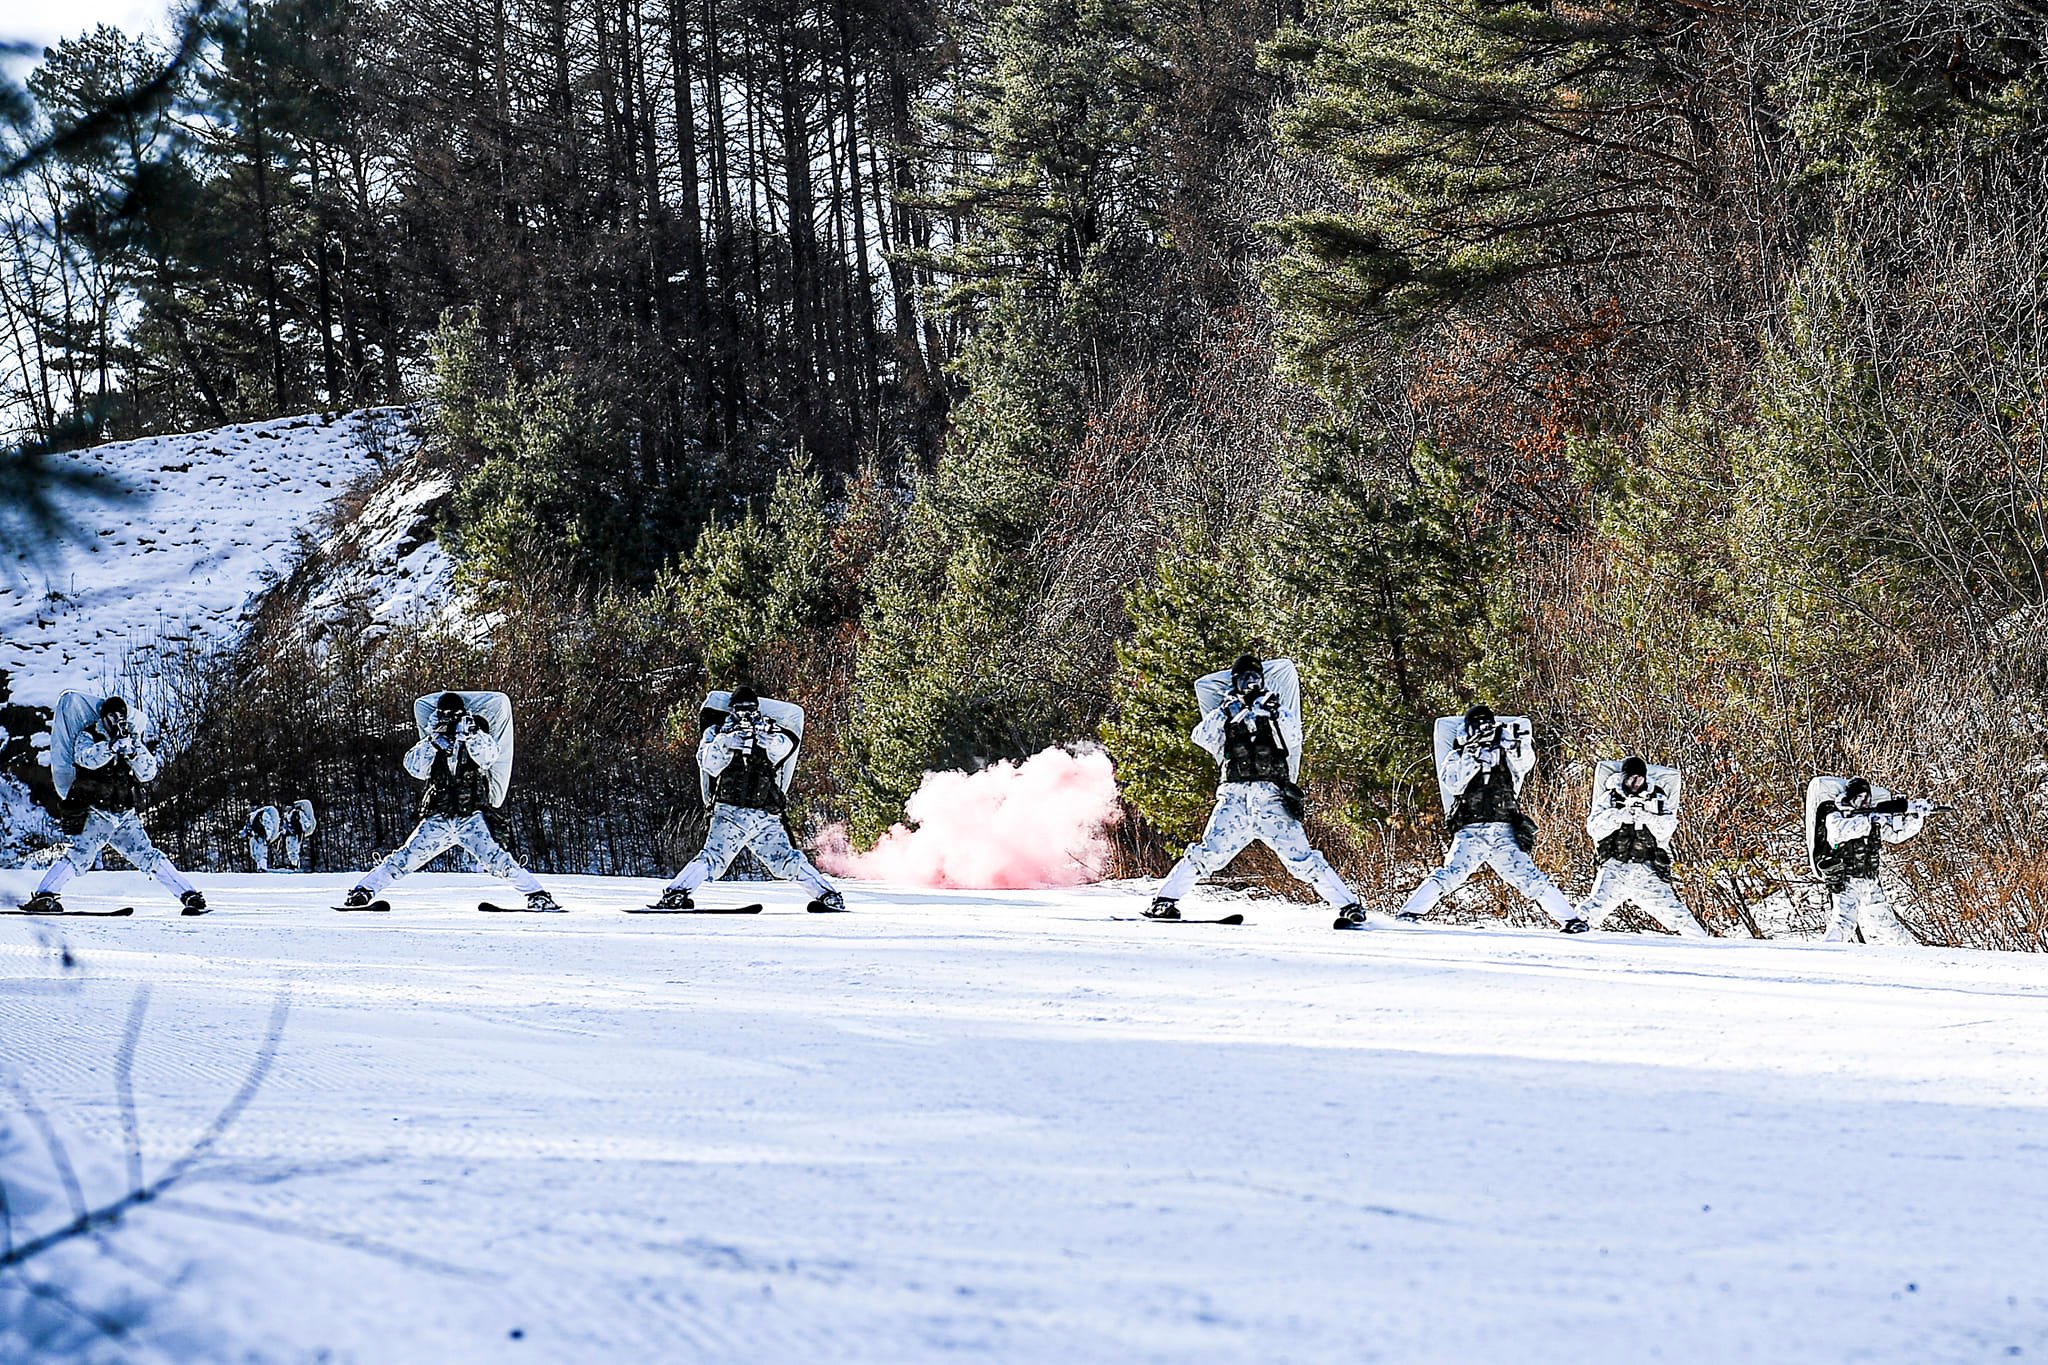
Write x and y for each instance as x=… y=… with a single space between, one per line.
x=43 y=903
x=1574 y=926
x=830 y=903
x=673 y=899
x=194 y=903
x=1353 y=913
x=357 y=899
x=1162 y=908
x=1408 y=917
x=541 y=902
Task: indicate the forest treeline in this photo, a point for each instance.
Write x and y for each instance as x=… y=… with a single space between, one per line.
x=979 y=373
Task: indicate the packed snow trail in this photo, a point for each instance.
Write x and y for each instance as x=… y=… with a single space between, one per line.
x=1001 y=1126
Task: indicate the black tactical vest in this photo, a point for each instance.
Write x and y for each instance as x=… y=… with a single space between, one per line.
x=113 y=788
x=1255 y=754
x=1488 y=799
x=456 y=787
x=1633 y=843
x=749 y=781
x=1851 y=860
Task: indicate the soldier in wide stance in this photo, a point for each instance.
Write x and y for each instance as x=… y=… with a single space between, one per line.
x=1634 y=815
x=1251 y=725
x=465 y=758
x=102 y=767
x=1481 y=761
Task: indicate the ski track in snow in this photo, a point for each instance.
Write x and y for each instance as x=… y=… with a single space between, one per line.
x=208 y=519
x=999 y=1126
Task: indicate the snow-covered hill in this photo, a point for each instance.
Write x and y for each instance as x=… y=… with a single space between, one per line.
x=211 y=519
x=1001 y=1127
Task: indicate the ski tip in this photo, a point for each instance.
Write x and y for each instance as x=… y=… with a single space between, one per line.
x=1231 y=919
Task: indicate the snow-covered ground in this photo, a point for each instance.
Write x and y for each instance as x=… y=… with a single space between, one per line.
x=1002 y=1127
x=211 y=518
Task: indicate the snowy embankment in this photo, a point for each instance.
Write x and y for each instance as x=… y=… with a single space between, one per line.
x=208 y=521
x=1000 y=1126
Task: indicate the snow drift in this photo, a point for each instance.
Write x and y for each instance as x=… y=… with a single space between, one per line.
x=1008 y=827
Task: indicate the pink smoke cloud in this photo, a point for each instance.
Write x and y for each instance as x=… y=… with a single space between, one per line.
x=1009 y=827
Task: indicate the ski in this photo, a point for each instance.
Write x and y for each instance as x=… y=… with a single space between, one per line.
x=380 y=907
x=1343 y=923
x=72 y=914
x=1147 y=919
x=698 y=910
x=490 y=909
x=820 y=908
x=189 y=912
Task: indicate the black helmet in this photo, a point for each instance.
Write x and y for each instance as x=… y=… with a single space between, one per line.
x=745 y=699
x=112 y=707
x=1478 y=714
x=1856 y=792
x=1246 y=669
x=1635 y=774
x=450 y=704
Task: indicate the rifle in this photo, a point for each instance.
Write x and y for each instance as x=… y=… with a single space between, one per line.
x=1509 y=735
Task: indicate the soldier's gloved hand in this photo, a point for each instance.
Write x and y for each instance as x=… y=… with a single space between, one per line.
x=127 y=746
x=444 y=742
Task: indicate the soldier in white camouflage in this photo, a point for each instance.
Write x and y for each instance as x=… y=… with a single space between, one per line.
x=1251 y=725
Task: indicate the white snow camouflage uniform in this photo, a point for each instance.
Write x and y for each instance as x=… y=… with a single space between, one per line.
x=1863 y=902
x=436 y=834
x=1487 y=843
x=299 y=825
x=260 y=830
x=1621 y=882
x=737 y=827
x=1246 y=811
x=122 y=829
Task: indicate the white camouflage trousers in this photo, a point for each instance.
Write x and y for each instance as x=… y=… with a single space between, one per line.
x=1478 y=846
x=436 y=835
x=259 y=852
x=125 y=832
x=734 y=828
x=1864 y=903
x=1246 y=811
x=1624 y=883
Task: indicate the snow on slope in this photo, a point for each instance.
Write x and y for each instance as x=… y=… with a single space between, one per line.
x=214 y=519
x=1000 y=1127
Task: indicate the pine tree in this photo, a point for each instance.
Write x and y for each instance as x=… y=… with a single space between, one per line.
x=761 y=584
x=1377 y=573
x=954 y=671
x=1489 y=142
x=1200 y=610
